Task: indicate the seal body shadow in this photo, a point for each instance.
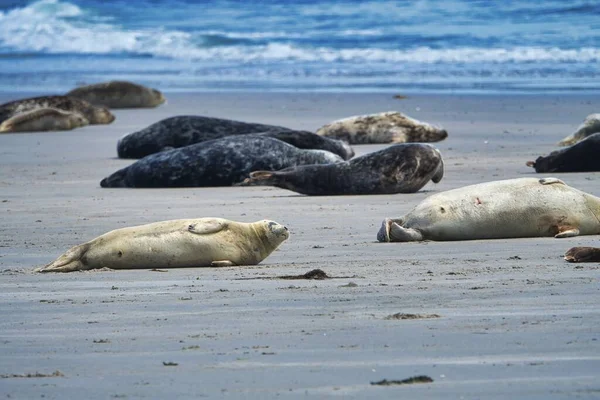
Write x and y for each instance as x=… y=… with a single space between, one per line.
x=580 y=157
x=402 y=168
x=199 y=242
x=513 y=208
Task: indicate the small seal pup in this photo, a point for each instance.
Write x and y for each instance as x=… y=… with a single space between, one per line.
x=43 y=119
x=583 y=156
x=119 y=94
x=513 y=208
x=220 y=162
x=401 y=168
x=94 y=115
x=590 y=126
x=583 y=254
x=387 y=127
x=185 y=130
x=203 y=242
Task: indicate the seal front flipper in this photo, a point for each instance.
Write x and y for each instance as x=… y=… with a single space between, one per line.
x=583 y=254
x=222 y=263
x=68 y=262
x=207 y=227
x=551 y=181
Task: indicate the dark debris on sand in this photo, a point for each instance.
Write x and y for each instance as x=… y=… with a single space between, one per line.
x=411 y=316
x=408 y=381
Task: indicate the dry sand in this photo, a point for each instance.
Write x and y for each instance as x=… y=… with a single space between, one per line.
x=515 y=320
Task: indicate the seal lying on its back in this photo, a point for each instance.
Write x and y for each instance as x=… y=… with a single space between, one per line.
x=94 y=115
x=185 y=130
x=200 y=242
x=119 y=94
x=524 y=207
x=220 y=162
x=581 y=157
x=387 y=127
x=43 y=119
x=590 y=126
x=402 y=168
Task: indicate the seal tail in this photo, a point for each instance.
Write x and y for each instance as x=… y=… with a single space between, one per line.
x=68 y=262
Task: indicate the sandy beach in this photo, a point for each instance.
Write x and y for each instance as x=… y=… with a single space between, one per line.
x=508 y=318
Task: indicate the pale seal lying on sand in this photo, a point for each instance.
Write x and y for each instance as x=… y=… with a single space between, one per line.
x=43 y=119
x=387 y=127
x=185 y=130
x=94 y=115
x=402 y=168
x=202 y=242
x=220 y=162
x=524 y=207
x=583 y=254
x=590 y=126
x=580 y=157
x=119 y=94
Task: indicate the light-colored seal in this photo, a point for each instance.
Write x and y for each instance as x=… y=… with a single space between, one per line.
x=119 y=94
x=524 y=207
x=583 y=254
x=387 y=127
x=94 y=115
x=401 y=168
x=583 y=156
x=202 y=242
x=590 y=126
x=220 y=162
x=184 y=130
x=43 y=119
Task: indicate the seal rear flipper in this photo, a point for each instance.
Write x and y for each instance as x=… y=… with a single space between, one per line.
x=258 y=178
x=583 y=254
x=551 y=181
x=222 y=263
x=68 y=262
x=207 y=227
x=566 y=231
x=392 y=231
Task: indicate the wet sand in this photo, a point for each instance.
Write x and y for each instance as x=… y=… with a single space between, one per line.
x=515 y=320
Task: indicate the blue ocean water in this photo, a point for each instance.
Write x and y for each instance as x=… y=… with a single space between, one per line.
x=458 y=46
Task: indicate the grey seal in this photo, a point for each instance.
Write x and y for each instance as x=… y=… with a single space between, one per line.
x=512 y=208
x=590 y=125
x=583 y=156
x=184 y=130
x=202 y=242
x=386 y=127
x=94 y=114
x=43 y=119
x=401 y=168
x=220 y=162
x=119 y=94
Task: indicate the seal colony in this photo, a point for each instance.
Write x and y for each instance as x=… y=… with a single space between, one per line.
x=220 y=162
x=402 y=168
x=387 y=127
x=514 y=208
x=203 y=242
x=119 y=94
x=43 y=119
x=185 y=130
x=583 y=156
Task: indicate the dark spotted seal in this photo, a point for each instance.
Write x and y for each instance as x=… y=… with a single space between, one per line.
x=581 y=157
x=94 y=115
x=220 y=162
x=184 y=130
x=590 y=126
x=387 y=127
x=401 y=168
x=119 y=94
x=43 y=119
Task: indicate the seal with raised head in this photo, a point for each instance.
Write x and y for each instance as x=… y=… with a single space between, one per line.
x=513 y=208
x=43 y=119
x=583 y=254
x=119 y=94
x=184 y=130
x=220 y=162
x=202 y=242
x=583 y=156
x=401 y=168
x=386 y=127
x=94 y=114
x=590 y=126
